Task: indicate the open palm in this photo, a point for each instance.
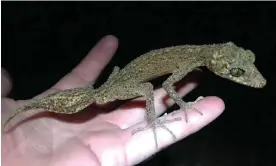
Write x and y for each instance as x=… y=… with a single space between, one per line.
x=94 y=136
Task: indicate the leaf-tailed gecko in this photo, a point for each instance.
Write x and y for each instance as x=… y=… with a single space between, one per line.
x=226 y=60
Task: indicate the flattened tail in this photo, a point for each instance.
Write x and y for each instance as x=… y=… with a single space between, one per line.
x=20 y=110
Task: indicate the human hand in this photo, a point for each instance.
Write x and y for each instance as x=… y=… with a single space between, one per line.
x=93 y=137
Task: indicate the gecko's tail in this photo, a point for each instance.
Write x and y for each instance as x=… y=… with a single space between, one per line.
x=67 y=102
x=20 y=110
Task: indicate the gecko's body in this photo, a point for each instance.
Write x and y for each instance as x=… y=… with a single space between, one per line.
x=226 y=60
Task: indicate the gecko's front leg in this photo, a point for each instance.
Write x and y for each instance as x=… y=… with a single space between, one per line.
x=168 y=86
x=146 y=89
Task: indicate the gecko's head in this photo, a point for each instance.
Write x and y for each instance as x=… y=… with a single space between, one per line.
x=236 y=64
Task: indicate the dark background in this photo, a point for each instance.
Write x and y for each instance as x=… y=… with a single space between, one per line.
x=41 y=42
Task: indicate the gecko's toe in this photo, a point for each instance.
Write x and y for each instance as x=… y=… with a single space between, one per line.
x=187 y=106
x=158 y=123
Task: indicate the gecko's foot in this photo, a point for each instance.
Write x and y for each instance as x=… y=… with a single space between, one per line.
x=189 y=105
x=157 y=123
x=160 y=122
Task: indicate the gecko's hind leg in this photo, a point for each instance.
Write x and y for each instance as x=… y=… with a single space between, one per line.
x=184 y=106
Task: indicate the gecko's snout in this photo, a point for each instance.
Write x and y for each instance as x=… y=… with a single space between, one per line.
x=254 y=81
x=260 y=83
x=257 y=79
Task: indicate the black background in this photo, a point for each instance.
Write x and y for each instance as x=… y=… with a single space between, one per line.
x=41 y=42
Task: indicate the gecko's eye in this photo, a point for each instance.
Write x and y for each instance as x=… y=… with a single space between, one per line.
x=237 y=72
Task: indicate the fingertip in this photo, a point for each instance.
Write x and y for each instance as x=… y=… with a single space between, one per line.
x=211 y=107
x=111 y=41
x=213 y=103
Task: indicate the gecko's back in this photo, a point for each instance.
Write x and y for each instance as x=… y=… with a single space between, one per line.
x=160 y=62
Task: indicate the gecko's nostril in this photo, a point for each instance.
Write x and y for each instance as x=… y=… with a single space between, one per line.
x=263 y=83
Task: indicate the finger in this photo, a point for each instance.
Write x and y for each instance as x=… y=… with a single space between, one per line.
x=6 y=83
x=91 y=66
x=126 y=116
x=143 y=142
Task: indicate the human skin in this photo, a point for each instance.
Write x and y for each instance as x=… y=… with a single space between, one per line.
x=102 y=138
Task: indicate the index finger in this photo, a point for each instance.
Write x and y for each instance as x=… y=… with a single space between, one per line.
x=91 y=66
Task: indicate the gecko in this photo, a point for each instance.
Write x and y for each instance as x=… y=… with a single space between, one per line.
x=226 y=60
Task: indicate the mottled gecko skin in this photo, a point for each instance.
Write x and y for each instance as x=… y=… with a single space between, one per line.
x=226 y=60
